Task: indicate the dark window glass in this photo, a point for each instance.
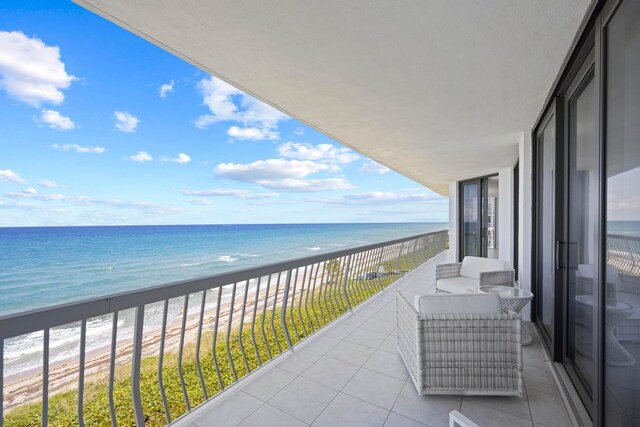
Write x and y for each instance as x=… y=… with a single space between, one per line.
x=622 y=313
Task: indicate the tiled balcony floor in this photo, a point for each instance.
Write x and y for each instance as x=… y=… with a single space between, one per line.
x=352 y=375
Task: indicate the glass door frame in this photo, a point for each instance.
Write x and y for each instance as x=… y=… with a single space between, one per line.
x=482 y=183
x=584 y=70
x=591 y=42
x=553 y=341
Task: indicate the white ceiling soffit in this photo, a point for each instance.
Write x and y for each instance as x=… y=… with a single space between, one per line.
x=436 y=90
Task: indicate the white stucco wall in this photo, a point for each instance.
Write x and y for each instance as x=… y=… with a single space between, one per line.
x=506 y=246
x=453 y=221
x=526 y=217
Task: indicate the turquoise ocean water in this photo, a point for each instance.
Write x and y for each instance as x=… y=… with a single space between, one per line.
x=47 y=266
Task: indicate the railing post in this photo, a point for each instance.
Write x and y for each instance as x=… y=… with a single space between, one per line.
x=135 y=366
x=283 y=316
x=344 y=284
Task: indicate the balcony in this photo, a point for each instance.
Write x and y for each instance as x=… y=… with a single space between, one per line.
x=351 y=373
x=309 y=341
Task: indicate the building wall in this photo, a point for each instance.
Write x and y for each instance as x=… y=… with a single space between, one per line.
x=506 y=247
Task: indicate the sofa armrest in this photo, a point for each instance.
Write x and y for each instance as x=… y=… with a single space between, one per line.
x=445 y=271
x=502 y=278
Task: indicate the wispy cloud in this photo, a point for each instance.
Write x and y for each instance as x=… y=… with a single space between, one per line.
x=182 y=158
x=141 y=157
x=79 y=148
x=252 y=133
x=165 y=89
x=373 y=167
x=282 y=174
x=126 y=122
x=225 y=192
x=228 y=104
x=320 y=152
x=56 y=121
x=298 y=131
x=200 y=202
x=32 y=193
x=32 y=72
x=383 y=198
x=9 y=175
x=48 y=184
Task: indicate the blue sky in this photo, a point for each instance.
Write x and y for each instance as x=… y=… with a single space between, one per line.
x=98 y=126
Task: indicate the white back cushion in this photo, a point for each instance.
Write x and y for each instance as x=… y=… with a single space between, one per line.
x=472 y=266
x=458 y=304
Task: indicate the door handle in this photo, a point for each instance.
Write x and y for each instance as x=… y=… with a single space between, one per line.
x=560 y=253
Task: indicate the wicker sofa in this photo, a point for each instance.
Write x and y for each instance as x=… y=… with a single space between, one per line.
x=460 y=344
x=473 y=272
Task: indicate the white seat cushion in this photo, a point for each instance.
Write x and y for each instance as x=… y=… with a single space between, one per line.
x=472 y=266
x=458 y=304
x=457 y=285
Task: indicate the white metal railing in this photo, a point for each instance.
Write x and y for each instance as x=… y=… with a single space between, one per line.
x=225 y=326
x=623 y=253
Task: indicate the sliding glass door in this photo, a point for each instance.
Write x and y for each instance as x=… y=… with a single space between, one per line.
x=583 y=192
x=471 y=213
x=479 y=199
x=587 y=218
x=545 y=250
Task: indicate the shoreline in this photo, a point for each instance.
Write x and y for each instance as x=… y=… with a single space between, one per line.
x=26 y=387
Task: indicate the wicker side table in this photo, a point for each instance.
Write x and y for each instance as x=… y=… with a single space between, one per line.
x=512 y=299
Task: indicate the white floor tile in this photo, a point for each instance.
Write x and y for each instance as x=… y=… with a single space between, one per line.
x=303 y=398
x=374 y=387
x=387 y=363
x=268 y=416
x=331 y=372
x=485 y=416
x=345 y=410
x=351 y=352
x=432 y=410
x=265 y=387
x=396 y=420
x=233 y=410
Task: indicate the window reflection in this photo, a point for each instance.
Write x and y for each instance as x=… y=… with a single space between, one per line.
x=622 y=315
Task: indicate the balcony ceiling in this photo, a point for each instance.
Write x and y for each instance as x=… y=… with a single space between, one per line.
x=436 y=90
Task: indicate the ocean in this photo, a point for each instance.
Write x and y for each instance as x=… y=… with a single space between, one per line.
x=46 y=266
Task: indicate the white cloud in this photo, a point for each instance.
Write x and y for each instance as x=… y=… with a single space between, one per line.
x=225 y=192
x=56 y=121
x=126 y=122
x=79 y=148
x=32 y=193
x=385 y=198
x=283 y=174
x=320 y=152
x=373 y=167
x=271 y=169
x=48 y=184
x=31 y=71
x=252 y=133
x=309 y=185
x=182 y=159
x=165 y=89
x=9 y=175
x=227 y=103
x=298 y=131
x=141 y=156
x=200 y=202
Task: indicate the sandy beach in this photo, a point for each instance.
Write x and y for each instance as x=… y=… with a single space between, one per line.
x=63 y=375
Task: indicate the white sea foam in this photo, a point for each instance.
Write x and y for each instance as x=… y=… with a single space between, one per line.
x=226 y=258
x=190 y=264
x=314 y=248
